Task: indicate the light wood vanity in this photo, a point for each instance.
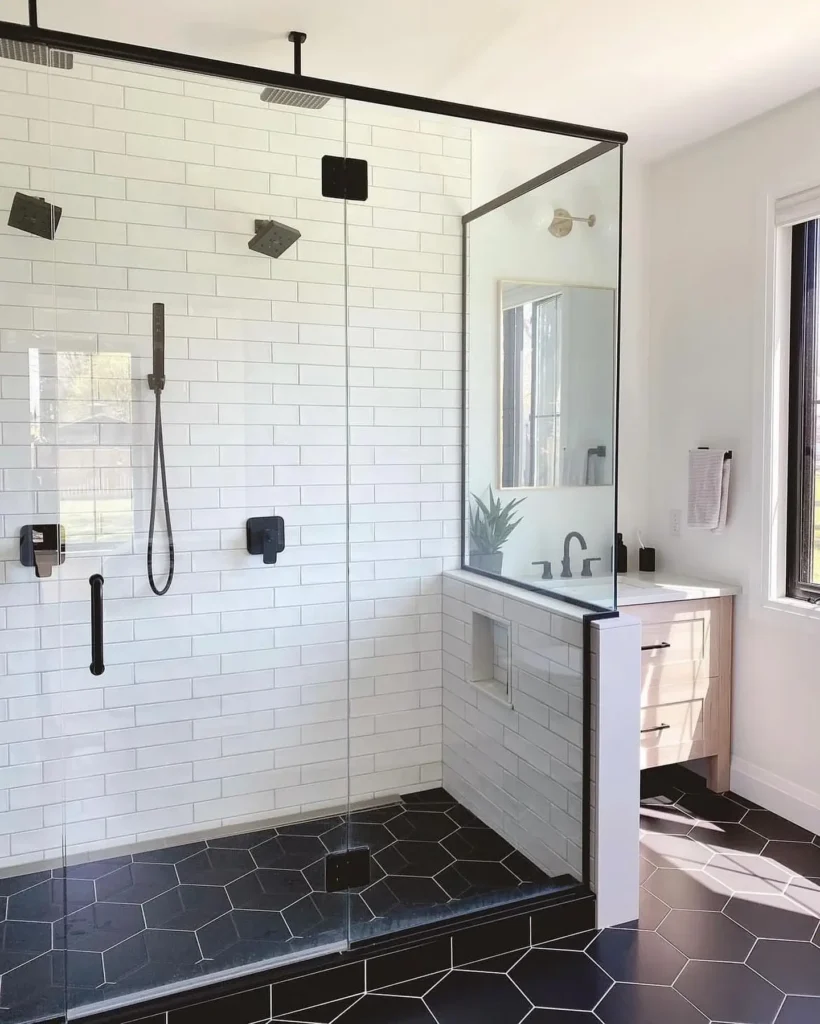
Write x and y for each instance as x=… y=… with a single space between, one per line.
x=686 y=674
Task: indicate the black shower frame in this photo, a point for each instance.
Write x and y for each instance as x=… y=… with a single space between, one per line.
x=605 y=139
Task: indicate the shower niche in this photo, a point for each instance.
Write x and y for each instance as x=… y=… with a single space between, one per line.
x=198 y=810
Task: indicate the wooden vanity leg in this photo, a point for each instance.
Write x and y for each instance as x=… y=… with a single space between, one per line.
x=717 y=775
x=720 y=715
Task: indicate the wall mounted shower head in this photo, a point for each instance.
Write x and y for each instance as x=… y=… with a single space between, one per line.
x=36 y=53
x=36 y=216
x=295 y=97
x=272 y=238
x=562 y=222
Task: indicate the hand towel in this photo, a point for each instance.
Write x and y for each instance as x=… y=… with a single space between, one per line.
x=706 y=488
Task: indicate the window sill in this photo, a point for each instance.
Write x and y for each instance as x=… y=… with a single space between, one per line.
x=793 y=606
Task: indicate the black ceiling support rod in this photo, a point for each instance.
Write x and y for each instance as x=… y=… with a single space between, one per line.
x=297 y=38
x=32 y=14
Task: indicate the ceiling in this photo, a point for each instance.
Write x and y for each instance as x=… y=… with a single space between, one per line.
x=668 y=73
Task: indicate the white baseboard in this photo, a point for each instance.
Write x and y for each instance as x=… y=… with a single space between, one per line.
x=797 y=804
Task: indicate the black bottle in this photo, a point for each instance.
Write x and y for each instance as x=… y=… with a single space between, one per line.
x=619 y=559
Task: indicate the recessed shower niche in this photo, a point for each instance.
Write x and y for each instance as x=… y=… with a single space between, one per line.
x=169 y=820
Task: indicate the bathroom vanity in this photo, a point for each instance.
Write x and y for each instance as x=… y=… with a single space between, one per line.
x=686 y=669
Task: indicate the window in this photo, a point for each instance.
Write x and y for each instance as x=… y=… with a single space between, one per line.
x=803 y=527
x=531 y=393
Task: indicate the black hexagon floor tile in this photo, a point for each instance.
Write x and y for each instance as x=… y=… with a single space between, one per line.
x=711 y=806
x=479 y=998
x=187 y=907
x=794 y=967
x=647 y=1004
x=541 y=1016
x=311 y=827
x=267 y=928
x=136 y=883
x=466 y=878
x=772 y=826
x=395 y=893
x=289 y=851
x=93 y=869
x=51 y=899
x=580 y=940
x=667 y=819
x=155 y=955
x=324 y=1013
x=728 y=835
x=637 y=956
x=477 y=844
x=651 y=911
x=671 y=851
x=561 y=979
x=524 y=869
x=801 y=858
x=98 y=926
x=369 y=834
x=414 y=858
x=319 y=914
x=744 y=873
x=376 y=1009
x=730 y=992
x=773 y=916
x=215 y=867
x=268 y=889
x=19 y=883
x=425 y=825
x=701 y=935
x=799 y=1010
x=682 y=891
x=431 y=797
x=21 y=941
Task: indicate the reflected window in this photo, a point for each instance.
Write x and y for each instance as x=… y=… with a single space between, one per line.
x=81 y=420
x=531 y=388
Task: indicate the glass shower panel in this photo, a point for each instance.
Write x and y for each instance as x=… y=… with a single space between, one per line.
x=199 y=391
x=542 y=302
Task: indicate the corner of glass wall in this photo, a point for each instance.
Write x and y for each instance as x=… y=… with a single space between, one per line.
x=541 y=285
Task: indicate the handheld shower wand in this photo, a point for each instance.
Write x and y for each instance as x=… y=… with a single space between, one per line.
x=156 y=382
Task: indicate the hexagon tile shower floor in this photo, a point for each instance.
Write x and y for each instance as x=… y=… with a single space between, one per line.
x=728 y=934
x=127 y=924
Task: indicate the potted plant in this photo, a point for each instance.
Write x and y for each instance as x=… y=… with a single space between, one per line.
x=491 y=524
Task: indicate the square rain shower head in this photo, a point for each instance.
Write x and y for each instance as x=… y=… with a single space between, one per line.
x=272 y=238
x=36 y=216
x=293 y=98
x=36 y=53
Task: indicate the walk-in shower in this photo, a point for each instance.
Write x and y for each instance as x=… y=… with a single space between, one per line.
x=305 y=745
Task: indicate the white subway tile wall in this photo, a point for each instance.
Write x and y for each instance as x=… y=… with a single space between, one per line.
x=517 y=767
x=225 y=702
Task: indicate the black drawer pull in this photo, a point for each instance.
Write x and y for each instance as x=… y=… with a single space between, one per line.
x=656 y=728
x=97 y=665
x=656 y=647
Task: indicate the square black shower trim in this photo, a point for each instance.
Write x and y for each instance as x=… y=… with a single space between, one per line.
x=344 y=177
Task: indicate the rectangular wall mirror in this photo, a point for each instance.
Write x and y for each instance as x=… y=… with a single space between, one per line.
x=555 y=405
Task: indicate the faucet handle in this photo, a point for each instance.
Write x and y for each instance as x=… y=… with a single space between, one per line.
x=587 y=571
x=546 y=573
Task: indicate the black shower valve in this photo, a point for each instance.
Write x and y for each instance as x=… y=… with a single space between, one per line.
x=266 y=537
x=42 y=547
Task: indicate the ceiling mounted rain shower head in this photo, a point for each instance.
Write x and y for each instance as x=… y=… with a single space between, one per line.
x=36 y=53
x=562 y=222
x=294 y=97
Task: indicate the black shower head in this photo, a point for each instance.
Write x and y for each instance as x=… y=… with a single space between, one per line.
x=273 y=238
x=36 y=216
x=36 y=53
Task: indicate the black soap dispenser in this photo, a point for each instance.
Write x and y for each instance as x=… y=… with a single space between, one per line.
x=619 y=555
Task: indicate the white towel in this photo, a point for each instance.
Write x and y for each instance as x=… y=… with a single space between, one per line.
x=709 y=471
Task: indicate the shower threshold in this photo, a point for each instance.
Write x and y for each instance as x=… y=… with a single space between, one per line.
x=131 y=927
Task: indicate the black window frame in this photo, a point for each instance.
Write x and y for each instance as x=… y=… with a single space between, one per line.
x=804 y=396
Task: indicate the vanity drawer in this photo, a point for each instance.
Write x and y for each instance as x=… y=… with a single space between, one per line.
x=679 y=651
x=672 y=732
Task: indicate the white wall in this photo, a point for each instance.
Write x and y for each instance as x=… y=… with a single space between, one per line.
x=513 y=244
x=227 y=700
x=711 y=250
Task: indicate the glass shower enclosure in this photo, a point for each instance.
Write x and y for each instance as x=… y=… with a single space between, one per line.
x=231 y=406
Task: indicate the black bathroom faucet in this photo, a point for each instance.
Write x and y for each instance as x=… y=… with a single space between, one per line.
x=566 y=571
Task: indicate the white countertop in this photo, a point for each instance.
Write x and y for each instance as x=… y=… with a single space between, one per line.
x=633 y=589
x=658 y=587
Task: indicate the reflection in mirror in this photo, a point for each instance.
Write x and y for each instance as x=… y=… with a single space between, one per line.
x=556 y=394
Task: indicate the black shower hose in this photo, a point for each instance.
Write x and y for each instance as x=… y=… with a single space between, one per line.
x=159 y=462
